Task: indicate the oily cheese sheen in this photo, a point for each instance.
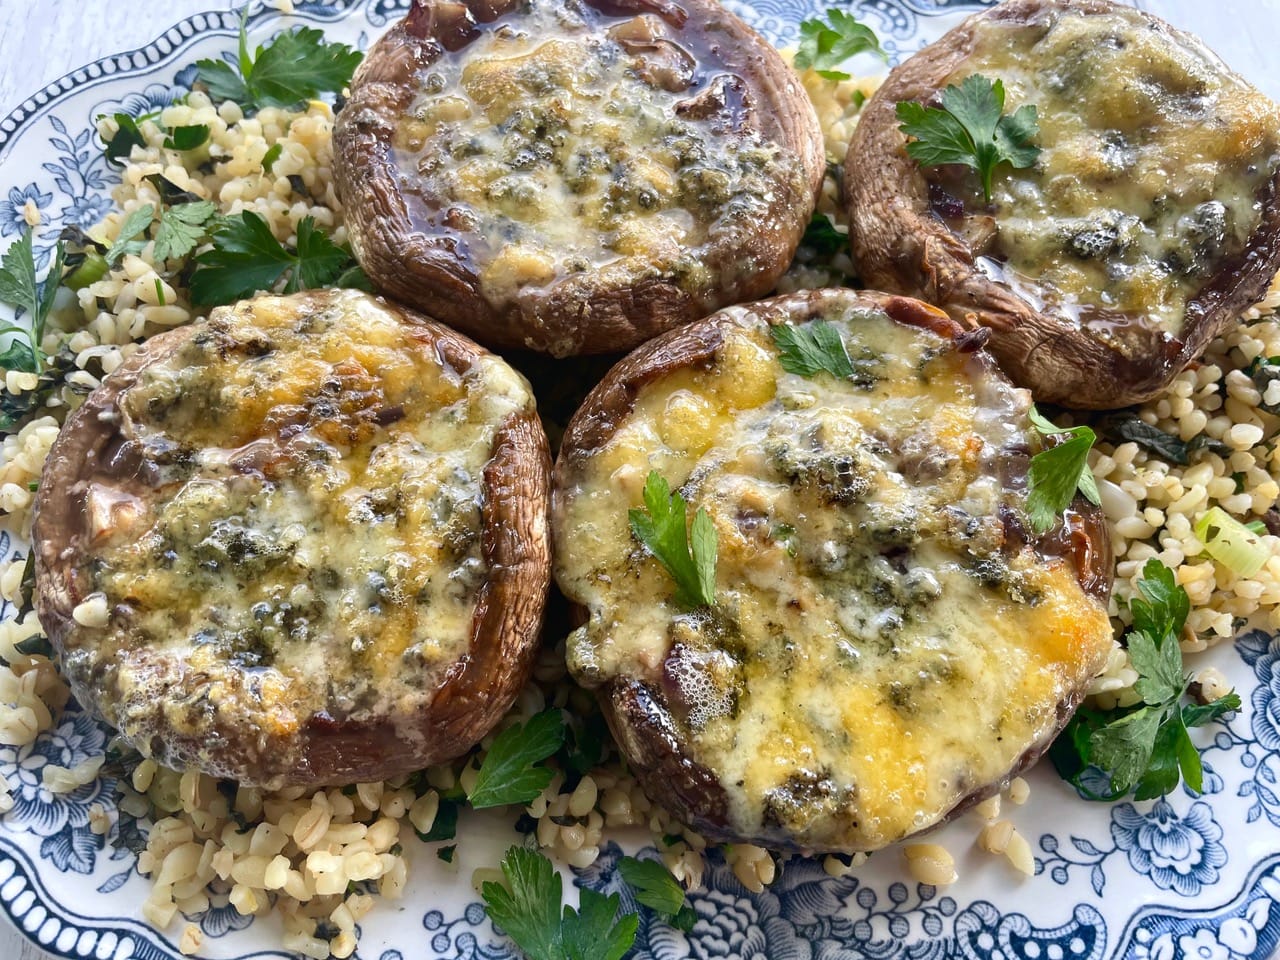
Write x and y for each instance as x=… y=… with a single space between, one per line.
x=575 y=177
x=284 y=530
x=1145 y=220
x=887 y=639
x=1154 y=162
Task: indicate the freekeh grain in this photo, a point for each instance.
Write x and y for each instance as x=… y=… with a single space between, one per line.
x=300 y=852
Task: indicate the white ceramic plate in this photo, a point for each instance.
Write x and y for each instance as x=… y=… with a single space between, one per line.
x=1184 y=877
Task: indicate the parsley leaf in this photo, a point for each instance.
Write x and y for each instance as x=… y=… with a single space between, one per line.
x=288 y=69
x=1147 y=748
x=122 y=142
x=133 y=227
x=181 y=228
x=271 y=156
x=528 y=909
x=187 y=138
x=590 y=933
x=657 y=889
x=18 y=287
x=805 y=350
x=825 y=46
x=971 y=129
x=1197 y=715
x=445 y=825
x=822 y=237
x=1057 y=472
x=661 y=528
x=246 y=257
x=511 y=771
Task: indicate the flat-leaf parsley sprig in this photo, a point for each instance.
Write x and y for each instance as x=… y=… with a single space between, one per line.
x=825 y=46
x=528 y=908
x=688 y=554
x=1145 y=748
x=291 y=67
x=19 y=288
x=971 y=128
x=1057 y=472
x=513 y=770
x=246 y=258
x=813 y=347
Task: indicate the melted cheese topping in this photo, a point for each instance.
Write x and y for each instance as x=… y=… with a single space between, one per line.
x=306 y=537
x=1153 y=159
x=877 y=651
x=572 y=142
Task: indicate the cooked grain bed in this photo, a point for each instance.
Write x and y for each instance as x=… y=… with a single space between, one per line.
x=301 y=849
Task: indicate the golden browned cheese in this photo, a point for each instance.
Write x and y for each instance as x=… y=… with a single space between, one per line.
x=308 y=539
x=1153 y=165
x=877 y=651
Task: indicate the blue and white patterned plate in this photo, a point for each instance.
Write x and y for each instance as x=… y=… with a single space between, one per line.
x=1184 y=877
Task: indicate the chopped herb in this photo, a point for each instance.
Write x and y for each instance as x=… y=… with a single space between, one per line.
x=187 y=138
x=1257 y=526
x=1057 y=472
x=286 y=70
x=122 y=142
x=512 y=771
x=354 y=278
x=1145 y=748
x=529 y=910
x=246 y=258
x=1202 y=442
x=133 y=227
x=805 y=350
x=584 y=745
x=171 y=193
x=445 y=825
x=662 y=528
x=971 y=129
x=1264 y=371
x=271 y=156
x=658 y=890
x=34 y=646
x=824 y=47
x=822 y=237
x=1127 y=426
x=182 y=227
x=160 y=292
x=446 y=853
x=18 y=288
x=15 y=408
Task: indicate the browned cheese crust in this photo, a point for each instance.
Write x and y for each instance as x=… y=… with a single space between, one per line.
x=308 y=716
x=1079 y=354
x=669 y=217
x=649 y=720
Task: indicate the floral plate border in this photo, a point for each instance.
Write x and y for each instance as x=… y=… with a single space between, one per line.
x=1155 y=881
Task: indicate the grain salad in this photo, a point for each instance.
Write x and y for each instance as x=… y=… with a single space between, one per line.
x=319 y=858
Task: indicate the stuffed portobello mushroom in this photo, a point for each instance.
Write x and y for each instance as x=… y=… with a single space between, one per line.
x=575 y=177
x=1148 y=219
x=858 y=634
x=302 y=543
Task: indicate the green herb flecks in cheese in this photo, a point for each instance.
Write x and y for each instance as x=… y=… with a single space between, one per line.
x=571 y=141
x=306 y=538
x=1153 y=159
x=879 y=647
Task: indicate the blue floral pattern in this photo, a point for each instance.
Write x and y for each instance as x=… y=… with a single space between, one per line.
x=13 y=217
x=1149 y=881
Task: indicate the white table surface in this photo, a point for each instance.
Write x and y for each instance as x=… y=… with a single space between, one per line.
x=42 y=40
